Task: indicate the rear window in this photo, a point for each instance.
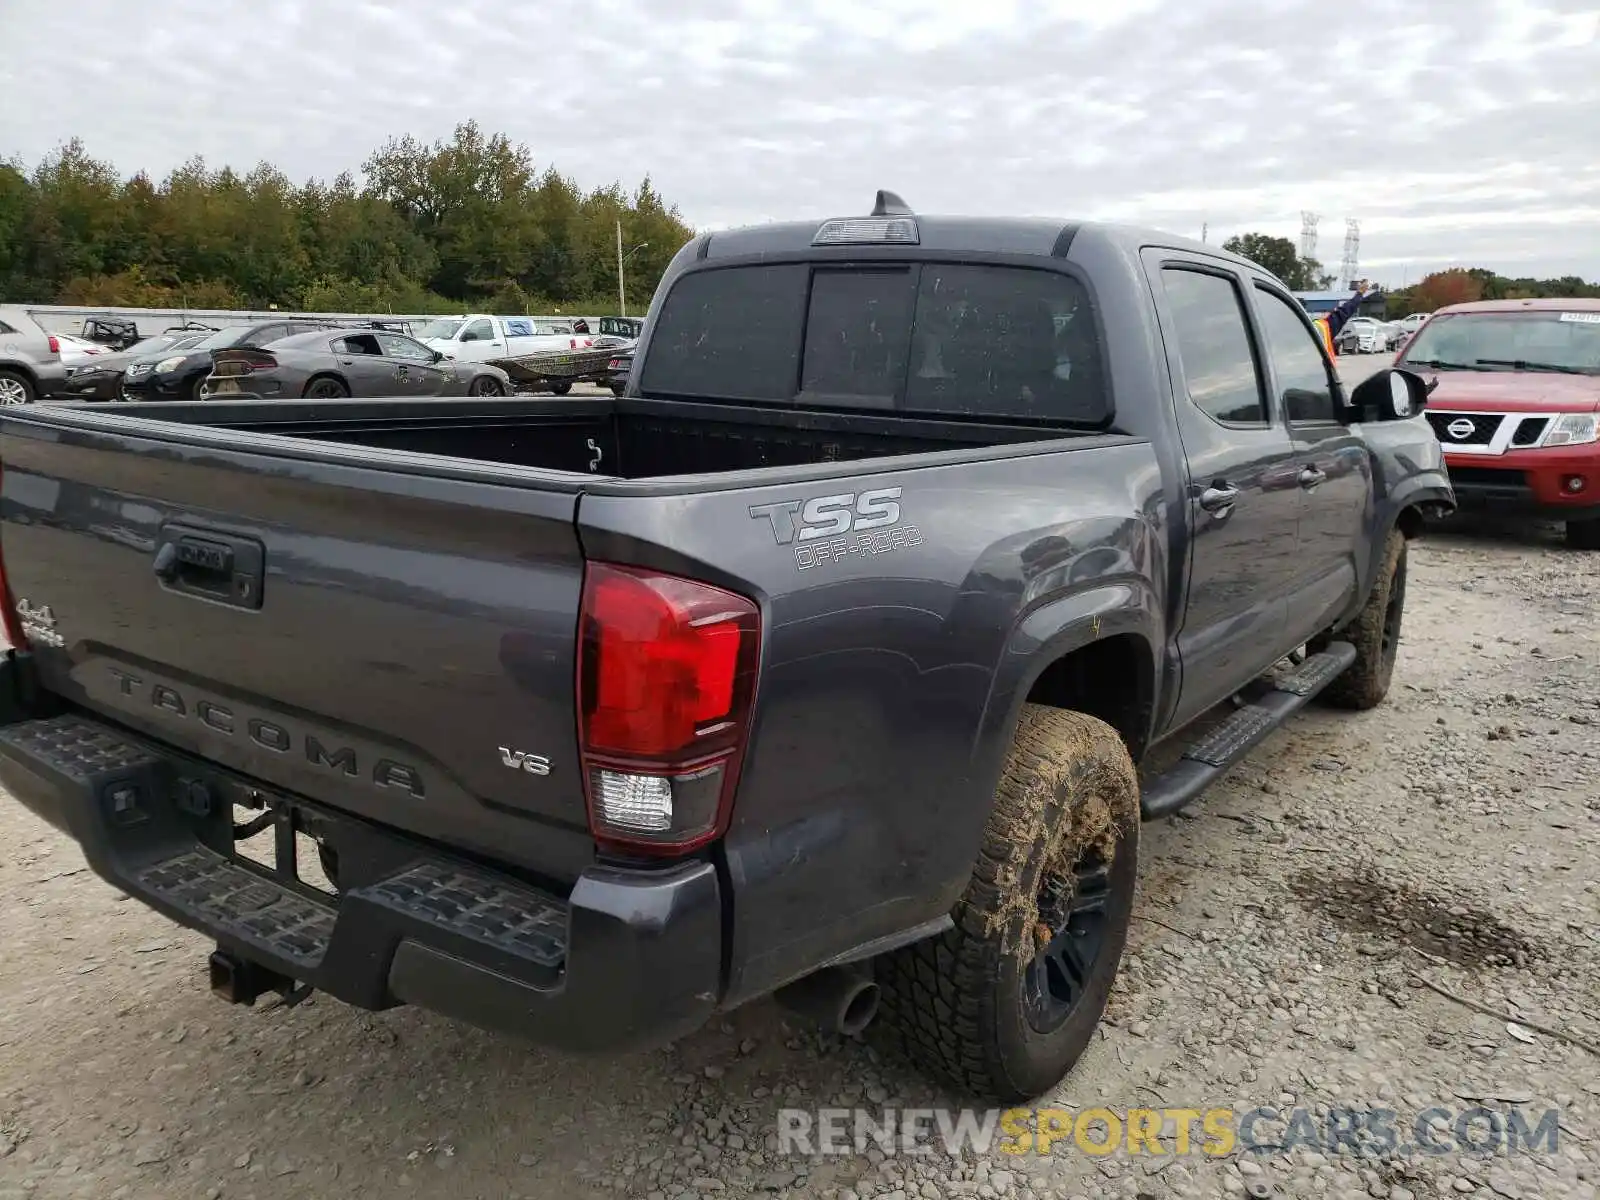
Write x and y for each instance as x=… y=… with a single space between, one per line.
x=992 y=342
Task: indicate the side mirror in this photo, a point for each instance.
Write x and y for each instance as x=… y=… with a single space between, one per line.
x=1395 y=394
x=438 y=356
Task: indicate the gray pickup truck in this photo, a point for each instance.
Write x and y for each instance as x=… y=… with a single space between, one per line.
x=821 y=662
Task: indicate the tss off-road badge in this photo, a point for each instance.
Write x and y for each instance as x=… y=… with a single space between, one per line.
x=826 y=529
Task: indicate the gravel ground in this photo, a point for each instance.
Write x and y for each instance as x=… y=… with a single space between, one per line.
x=1285 y=925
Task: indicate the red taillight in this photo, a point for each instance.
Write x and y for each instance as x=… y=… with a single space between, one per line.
x=8 y=609
x=666 y=679
x=55 y=343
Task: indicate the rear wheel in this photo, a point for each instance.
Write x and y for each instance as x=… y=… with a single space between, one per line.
x=325 y=387
x=1004 y=1003
x=1375 y=633
x=560 y=389
x=1584 y=535
x=486 y=385
x=15 y=388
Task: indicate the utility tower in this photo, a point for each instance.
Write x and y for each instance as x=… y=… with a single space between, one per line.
x=1308 y=234
x=1352 y=254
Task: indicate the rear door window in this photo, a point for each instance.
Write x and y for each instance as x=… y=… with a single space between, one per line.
x=1219 y=367
x=993 y=342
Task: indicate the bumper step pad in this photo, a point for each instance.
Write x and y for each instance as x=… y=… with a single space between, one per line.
x=221 y=894
x=78 y=749
x=237 y=901
x=515 y=919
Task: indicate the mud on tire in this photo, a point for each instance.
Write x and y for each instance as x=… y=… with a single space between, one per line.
x=1064 y=833
x=1375 y=633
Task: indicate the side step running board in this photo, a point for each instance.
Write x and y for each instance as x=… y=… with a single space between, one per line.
x=1220 y=748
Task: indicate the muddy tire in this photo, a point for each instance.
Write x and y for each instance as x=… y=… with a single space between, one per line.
x=1004 y=1003
x=1584 y=535
x=1375 y=633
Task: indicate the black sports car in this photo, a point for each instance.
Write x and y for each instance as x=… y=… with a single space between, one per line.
x=181 y=375
x=329 y=364
x=100 y=377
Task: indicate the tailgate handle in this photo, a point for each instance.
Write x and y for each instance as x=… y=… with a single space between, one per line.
x=211 y=565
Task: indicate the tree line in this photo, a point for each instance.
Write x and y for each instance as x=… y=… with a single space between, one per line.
x=1459 y=285
x=467 y=222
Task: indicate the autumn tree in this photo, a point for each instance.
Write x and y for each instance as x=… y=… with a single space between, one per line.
x=1444 y=288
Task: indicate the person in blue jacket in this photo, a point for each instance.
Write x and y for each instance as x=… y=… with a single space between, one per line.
x=1330 y=323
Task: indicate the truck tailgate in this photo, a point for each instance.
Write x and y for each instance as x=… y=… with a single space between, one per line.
x=324 y=620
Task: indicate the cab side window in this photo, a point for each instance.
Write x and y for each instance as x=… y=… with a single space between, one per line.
x=395 y=346
x=1297 y=361
x=1219 y=366
x=478 y=331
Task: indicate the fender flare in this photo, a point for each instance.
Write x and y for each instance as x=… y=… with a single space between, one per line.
x=1419 y=492
x=1049 y=632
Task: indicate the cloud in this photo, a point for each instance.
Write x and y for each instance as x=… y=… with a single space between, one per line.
x=1460 y=133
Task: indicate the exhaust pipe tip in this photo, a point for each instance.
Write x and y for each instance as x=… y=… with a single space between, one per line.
x=859 y=1008
x=840 y=999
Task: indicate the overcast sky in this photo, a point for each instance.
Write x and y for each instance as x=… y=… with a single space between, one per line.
x=1459 y=132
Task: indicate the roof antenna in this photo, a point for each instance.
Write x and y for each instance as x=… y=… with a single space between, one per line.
x=890 y=205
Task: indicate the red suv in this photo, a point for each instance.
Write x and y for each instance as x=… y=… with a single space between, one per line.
x=1517 y=407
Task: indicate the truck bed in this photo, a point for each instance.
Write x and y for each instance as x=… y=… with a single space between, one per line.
x=401 y=577
x=619 y=438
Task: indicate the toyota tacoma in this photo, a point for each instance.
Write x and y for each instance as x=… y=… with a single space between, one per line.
x=822 y=662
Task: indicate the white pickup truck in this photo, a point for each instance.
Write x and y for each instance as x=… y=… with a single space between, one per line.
x=481 y=338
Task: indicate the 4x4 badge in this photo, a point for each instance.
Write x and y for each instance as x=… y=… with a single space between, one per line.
x=39 y=624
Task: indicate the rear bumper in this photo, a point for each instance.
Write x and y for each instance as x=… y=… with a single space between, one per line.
x=52 y=377
x=1529 y=482
x=630 y=959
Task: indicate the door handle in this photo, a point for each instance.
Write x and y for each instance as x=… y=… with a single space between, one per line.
x=1310 y=476
x=1219 y=498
